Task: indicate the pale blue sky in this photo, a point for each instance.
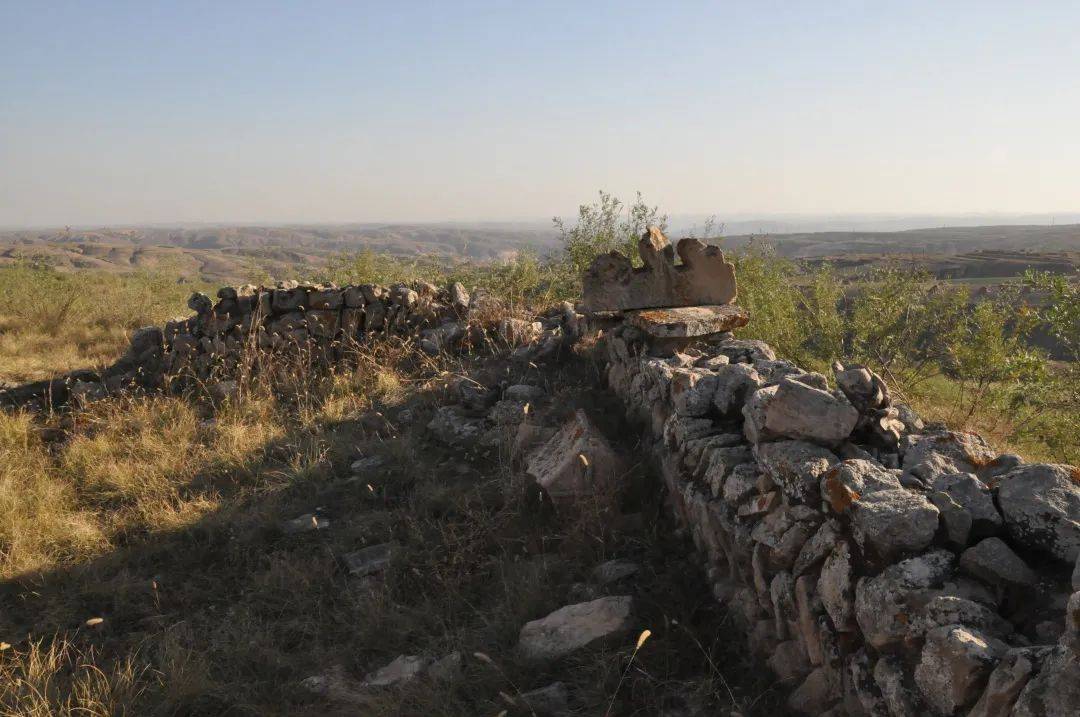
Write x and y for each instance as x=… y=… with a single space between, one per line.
x=319 y=111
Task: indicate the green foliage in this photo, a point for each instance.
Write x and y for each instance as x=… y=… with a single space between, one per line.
x=606 y=226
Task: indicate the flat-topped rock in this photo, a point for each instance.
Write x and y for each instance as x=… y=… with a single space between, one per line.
x=688 y=321
x=611 y=283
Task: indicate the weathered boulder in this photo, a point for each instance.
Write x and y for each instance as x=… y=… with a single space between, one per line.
x=796 y=466
x=972 y=495
x=885 y=603
x=835 y=586
x=929 y=455
x=854 y=478
x=802 y=412
x=692 y=391
x=1007 y=680
x=1055 y=690
x=451 y=426
x=993 y=561
x=899 y=696
x=955 y=665
x=574 y=627
x=889 y=523
x=402 y=669
x=577 y=462
x=688 y=322
x=1041 y=505
x=734 y=382
x=754 y=412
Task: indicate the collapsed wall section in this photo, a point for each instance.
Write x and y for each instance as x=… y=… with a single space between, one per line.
x=879 y=566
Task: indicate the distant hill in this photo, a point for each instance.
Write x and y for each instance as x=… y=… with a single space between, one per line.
x=232 y=253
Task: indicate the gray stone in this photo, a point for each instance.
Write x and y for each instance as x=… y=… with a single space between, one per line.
x=820 y=544
x=754 y=412
x=574 y=627
x=817 y=693
x=835 y=587
x=944 y=610
x=613 y=571
x=611 y=283
x=306 y=523
x=740 y=485
x=956 y=520
x=576 y=463
x=789 y=661
x=954 y=667
x=370 y=560
x=929 y=455
x=1055 y=690
x=802 y=412
x=1006 y=681
x=993 y=561
x=885 y=603
x=692 y=391
x=796 y=466
x=861 y=682
x=745 y=350
x=973 y=496
x=404 y=668
x=863 y=387
x=451 y=426
x=734 y=383
x=688 y=321
x=889 y=678
x=1041 y=505
x=853 y=479
x=893 y=522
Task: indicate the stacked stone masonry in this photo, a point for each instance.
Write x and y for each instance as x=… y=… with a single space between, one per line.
x=879 y=566
x=291 y=318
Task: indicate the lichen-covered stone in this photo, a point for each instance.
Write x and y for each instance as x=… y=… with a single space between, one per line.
x=802 y=412
x=954 y=667
x=796 y=466
x=1041 y=506
x=889 y=523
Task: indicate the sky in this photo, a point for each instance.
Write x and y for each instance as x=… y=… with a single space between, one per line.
x=158 y=112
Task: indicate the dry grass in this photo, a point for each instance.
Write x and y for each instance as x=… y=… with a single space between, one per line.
x=163 y=517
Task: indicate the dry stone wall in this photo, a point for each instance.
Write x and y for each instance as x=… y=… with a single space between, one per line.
x=879 y=566
x=292 y=319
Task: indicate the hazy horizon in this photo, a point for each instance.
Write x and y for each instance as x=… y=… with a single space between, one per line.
x=124 y=114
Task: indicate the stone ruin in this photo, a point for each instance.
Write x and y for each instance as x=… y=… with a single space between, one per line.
x=879 y=565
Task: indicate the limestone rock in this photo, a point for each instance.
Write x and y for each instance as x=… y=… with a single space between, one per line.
x=802 y=412
x=893 y=522
x=796 y=466
x=993 y=561
x=611 y=283
x=885 y=603
x=944 y=610
x=973 y=496
x=687 y=322
x=369 y=560
x=451 y=426
x=835 y=586
x=852 y=479
x=754 y=413
x=1055 y=690
x=1041 y=505
x=692 y=391
x=577 y=462
x=574 y=627
x=734 y=383
x=1006 y=681
x=404 y=668
x=889 y=678
x=955 y=664
x=928 y=455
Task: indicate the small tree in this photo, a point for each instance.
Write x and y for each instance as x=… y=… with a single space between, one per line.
x=607 y=226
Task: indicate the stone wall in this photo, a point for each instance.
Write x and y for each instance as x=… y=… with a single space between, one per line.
x=879 y=566
x=316 y=321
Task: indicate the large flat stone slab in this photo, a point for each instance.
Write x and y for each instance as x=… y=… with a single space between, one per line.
x=611 y=283
x=688 y=321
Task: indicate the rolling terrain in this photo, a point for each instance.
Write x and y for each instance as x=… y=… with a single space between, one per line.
x=235 y=253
